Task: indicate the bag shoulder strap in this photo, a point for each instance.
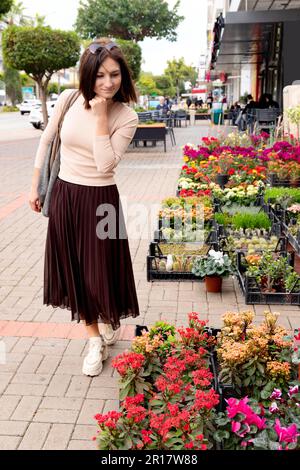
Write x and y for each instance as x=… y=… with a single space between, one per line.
x=69 y=102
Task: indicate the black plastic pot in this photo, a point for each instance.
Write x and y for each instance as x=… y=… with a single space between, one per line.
x=222 y=180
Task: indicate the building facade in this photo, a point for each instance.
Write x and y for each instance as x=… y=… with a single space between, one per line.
x=256 y=48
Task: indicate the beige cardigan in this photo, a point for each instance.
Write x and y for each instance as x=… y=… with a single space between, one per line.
x=86 y=158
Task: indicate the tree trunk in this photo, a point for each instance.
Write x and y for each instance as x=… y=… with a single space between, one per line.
x=42 y=93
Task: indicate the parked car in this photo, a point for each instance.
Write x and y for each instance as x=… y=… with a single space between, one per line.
x=36 y=114
x=27 y=105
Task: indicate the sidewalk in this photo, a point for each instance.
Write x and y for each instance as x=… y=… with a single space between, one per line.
x=45 y=401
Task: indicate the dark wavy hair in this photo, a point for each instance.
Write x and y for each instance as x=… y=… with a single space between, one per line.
x=88 y=69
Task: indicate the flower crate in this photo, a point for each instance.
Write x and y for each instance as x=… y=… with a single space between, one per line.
x=156 y=255
x=253 y=293
x=280 y=215
x=273 y=181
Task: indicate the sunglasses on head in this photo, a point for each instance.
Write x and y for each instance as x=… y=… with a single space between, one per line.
x=96 y=47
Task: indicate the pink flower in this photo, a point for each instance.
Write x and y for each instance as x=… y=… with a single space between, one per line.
x=276 y=394
x=253 y=418
x=293 y=391
x=237 y=406
x=273 y=407
x=289 y=434
x=235 y=426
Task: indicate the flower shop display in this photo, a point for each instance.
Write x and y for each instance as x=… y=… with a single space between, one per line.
x=213 y=268
x=171 y=388
x=242 y=194
x=173 y=261
x=167 y=397
x=290 y=219
x=271 y=279
x=247 y=424
x=255 y=359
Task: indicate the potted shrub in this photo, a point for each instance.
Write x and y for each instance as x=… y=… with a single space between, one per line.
x=213 y=268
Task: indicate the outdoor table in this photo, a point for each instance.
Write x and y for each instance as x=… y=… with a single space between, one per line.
x=150 y=132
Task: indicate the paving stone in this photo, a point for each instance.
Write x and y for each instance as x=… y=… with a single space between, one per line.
x=35 y=436
x=30 y=363
x=9 y=442
x=23 y=345
x=61 y=403
x=8 y=403
x=38 y=379
x=12 y=428
x=49 y=365
x=58 y=437
x=26 y=408
x=55 y=416
x=58 y=386
x=89 y=410
x=78 y=386
x=81 y=445
x=26 y=389
x=84 y=431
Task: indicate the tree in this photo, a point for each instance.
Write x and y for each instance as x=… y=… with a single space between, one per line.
x=133 y=55
x=5 y=6
x=13 y=85
x=40 y=52
x=179 y=72
x=15 y=15
x=165 y=85
x=146 y=84
x=128 y=19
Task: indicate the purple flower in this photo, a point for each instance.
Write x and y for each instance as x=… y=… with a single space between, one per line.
x=289 y=434
x=276 y=394
x=293 y=390
x=274 y=407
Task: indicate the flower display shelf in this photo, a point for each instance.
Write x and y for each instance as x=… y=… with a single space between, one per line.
x=224 y=390
x=273 y=180
x=253 y=293
x=294 y=241
x=280 y=216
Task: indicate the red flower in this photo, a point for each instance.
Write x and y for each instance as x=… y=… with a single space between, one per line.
x=128 y=360
x=190 y=445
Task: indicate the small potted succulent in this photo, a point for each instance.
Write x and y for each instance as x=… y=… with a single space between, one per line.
x=213 y=268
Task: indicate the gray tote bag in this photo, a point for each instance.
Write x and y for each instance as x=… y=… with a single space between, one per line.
x=51 y=165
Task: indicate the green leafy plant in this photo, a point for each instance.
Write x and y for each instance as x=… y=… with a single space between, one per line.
x=244 y=221
x=283 y=196
x=215 y=264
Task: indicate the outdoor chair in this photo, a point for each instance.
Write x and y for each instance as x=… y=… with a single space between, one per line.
x=266 y=119
x=180 y=116
x=170 y=129
x=145 y=116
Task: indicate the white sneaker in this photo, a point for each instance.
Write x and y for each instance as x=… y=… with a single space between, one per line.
x=98 y=352
x=109 y=335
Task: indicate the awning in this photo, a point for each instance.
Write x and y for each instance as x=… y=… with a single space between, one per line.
x=246 y=37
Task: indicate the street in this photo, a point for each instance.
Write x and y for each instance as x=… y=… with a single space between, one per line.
x=13 y=126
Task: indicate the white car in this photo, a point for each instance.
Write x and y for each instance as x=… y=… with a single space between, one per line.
x=36 y=115
x=27 y=105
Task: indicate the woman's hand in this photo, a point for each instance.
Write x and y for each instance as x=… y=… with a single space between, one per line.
x=98 y=105
x=34 y=201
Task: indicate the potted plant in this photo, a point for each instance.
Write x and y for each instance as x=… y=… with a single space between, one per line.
x=223 y=165
x=213 y=268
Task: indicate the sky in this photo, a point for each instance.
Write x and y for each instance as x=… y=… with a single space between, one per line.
x=191 y=33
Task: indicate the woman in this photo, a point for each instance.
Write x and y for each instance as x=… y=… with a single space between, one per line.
x=88 y=267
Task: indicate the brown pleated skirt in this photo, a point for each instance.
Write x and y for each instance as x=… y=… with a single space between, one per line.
x=91 y=276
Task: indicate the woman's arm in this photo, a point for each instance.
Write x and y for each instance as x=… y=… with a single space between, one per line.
x=108 y=150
